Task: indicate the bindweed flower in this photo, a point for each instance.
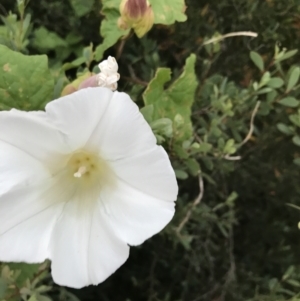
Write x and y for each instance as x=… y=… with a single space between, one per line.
x=136 y=14
x=79 y=183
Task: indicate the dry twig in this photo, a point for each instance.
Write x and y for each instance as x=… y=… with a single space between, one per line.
x=232 y=34
x=194 y=204
x=247 y=138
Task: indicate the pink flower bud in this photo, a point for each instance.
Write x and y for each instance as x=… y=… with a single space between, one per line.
x=89 y=82
x=138 y=15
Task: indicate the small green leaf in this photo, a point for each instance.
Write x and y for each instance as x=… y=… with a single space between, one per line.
x=193 y=166
x=208 y=163
x=204 y=147
x=287 y=55
x=295 y=119
x=297 y=162
x=275 y=82
x=168 y=12
x=27 y=271
x=46 y=40
x=74 y=64
x=181 y=174
x=162 y=126
x=229 y=147
x=3 y=288
x=33 y=298
x=296 y=140
x=283 y=128
x=257 y=60
x=293 y=79
x=180 y=152
x=288 y=272
x=147 y=112
x=82 y=7
x=293 y=282
x=273 y=283
x=289 y=102
x=264 y=91
x=231 y=198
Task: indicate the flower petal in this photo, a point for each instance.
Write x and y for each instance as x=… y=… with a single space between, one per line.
x=32 y=134
x=149 y=172
x=27 y=218
x=17 y=167
x=84 y=248
x=122 y=131
x=134 y=215
x=79 y=113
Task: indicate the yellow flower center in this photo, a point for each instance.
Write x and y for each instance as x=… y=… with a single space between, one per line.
x=89 y=169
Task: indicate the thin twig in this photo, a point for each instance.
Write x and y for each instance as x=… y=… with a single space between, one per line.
x=195 y=203
x=230 y=277
x=232 y=34
x=152 y=293
x=134 y=78
x=247 y=138
x=232 y=158
x=120 y=48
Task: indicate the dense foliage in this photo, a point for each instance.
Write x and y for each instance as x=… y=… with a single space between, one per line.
x=229 y=117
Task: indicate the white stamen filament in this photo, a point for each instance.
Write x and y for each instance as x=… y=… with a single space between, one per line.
x=81 y=171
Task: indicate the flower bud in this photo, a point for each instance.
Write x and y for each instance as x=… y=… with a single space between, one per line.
x=74 y=86
x=89 y=82
x=138 y=15
x=108 y=77
x=68 y=89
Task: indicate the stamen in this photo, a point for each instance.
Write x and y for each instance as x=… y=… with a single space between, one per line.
x=81 y=171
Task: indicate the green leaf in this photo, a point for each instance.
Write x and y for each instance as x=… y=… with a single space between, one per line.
x=162 y=126
x=180 y=152
x=27 y=271
x=26 y=82
x=264 y=91
x=181 y=174
x=45 y=40
x=293 y=282
x=285 y=129
x=208 y=163
x=257 y=60
x=293 y=79
x=3 y=288
x=297 y=162
x=289 y=102
x=193 y=166
x=176 y=100
x=109 y=29
x=168 y=11
x=275 y=82
x=147 y=112
x=288 y=272
x=296 y=140
x=295 y=119
x=82 y=7
x=204 y=147
x=229 y=147
x=287 y=55
x=74 y=64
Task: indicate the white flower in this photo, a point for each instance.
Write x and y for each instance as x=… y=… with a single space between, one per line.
x=109 y=66
x=109 y=75
x=79 y=183
x=108 y=81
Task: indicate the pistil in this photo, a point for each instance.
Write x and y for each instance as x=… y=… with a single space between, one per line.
x=81 y=171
